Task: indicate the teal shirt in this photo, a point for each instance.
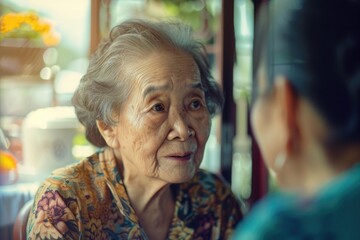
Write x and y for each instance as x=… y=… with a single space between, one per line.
x=333 y=213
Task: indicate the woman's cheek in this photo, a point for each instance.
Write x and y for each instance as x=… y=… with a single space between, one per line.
x=204 y=127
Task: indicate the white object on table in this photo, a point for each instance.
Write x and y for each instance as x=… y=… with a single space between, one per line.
x=47 y=138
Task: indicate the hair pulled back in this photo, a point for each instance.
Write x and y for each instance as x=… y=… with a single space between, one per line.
x=316 y=45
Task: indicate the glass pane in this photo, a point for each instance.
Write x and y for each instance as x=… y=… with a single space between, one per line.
x=44 y=52
x=47 y=39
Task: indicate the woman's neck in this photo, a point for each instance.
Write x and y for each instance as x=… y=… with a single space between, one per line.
x=319 y=168
x=147 y=193
x=153 y=202
x=151 y=198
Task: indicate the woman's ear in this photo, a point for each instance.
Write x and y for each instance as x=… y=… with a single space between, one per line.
x=109 y=134
x=287 y=99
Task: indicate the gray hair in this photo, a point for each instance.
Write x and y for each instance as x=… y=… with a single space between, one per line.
x=105 y=86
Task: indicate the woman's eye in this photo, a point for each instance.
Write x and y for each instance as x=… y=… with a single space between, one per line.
x=195 y=104
x=158 y=107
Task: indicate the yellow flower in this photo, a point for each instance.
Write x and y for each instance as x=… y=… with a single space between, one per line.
x=27 y=25
x=7 y=161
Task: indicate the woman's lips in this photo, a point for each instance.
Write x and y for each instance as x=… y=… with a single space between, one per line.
x=181 y=156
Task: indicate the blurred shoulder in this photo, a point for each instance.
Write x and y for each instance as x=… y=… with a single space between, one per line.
x=271 y=218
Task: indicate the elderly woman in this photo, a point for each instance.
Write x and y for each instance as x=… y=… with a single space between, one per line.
x=147 y=101
x=306 y=118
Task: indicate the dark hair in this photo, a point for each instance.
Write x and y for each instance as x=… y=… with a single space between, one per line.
x=316 y=45
x=106 y=86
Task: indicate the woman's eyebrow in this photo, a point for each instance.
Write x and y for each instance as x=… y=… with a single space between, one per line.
x=197 y=85
x=152 y=89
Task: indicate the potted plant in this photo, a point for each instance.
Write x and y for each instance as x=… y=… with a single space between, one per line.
x=24 y=37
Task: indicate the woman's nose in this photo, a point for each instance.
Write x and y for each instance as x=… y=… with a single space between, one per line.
x=179 y=126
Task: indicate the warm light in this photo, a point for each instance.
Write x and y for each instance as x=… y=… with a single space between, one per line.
x=45 y=73
x=51 y=39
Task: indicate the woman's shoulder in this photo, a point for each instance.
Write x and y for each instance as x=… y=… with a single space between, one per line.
x=75 y=171
x=271 y=218
x=282 y=216
x=71 y=177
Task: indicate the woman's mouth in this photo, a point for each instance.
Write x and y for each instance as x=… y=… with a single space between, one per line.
x=182 y=156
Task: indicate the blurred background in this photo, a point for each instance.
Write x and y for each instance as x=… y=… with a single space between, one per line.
x=45 y=48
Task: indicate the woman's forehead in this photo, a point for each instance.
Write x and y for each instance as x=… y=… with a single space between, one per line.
x=171 y=59
x=163 y=68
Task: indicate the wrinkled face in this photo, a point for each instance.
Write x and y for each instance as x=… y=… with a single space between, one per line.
x=164 y=124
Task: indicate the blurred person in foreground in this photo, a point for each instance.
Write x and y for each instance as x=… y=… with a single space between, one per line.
x=146 y=100
x=306 y=119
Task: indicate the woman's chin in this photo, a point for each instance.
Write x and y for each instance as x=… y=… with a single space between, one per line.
x=179 y=175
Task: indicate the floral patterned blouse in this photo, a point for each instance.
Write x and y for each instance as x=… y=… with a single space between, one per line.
x=88 y=200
